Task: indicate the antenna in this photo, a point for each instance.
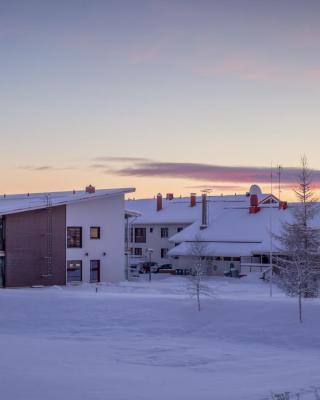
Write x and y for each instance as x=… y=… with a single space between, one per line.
x=279 y=181
x=271 y=179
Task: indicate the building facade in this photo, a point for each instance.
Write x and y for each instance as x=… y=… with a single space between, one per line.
x=65 y=237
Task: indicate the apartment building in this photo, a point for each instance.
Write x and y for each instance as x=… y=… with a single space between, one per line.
x=62 y=237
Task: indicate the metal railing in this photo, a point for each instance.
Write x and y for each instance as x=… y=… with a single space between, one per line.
x=312 y=393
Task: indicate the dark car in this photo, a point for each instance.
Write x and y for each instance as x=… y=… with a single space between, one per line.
x=165 y=268
x=145 y=267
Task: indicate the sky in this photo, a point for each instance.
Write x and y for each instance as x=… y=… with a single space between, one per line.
x=165 y=96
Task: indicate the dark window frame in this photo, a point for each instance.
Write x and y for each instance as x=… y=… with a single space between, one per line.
x=99 y=232
x=75 y=245
x=141 y=237
x=138 y=251
x=164 y=252
x=164 y=232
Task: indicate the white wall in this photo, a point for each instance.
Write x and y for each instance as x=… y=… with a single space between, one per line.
x=156 y=242
x=108 y=213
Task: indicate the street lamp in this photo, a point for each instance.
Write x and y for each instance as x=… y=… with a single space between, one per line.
x=149 y=251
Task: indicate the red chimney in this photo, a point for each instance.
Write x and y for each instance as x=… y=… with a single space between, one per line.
x=90 y=189
x=169 y=196
x=254 y=204
x=283 y=205
x=193 y=199
x=159 y=201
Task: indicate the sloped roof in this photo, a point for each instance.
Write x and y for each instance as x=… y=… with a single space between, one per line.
x=235 y=230
x=10 y=204
x=178 y=210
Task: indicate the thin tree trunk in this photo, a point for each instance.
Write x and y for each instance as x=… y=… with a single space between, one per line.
x=300 y=306
x=198 y=295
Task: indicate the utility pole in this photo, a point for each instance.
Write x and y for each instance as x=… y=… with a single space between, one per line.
x=149 y=251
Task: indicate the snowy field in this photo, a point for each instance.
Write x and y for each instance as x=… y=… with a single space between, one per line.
x=147 y=341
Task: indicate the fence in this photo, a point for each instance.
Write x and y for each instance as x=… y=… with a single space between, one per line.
x=313 y=393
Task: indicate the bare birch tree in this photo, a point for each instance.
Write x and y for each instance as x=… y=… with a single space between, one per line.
x=197 y=285
x=300 y=242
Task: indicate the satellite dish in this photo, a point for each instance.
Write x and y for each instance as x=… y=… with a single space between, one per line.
x=255 y=189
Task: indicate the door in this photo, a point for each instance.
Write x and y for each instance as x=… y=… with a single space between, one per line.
x=95 y=271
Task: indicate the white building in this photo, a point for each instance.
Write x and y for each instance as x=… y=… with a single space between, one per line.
x=62 y=237
x=235 y=229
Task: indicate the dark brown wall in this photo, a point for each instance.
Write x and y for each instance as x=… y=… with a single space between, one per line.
x=26 y=248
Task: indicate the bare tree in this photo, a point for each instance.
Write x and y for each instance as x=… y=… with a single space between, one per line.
x=300 y=242
x=197 y=285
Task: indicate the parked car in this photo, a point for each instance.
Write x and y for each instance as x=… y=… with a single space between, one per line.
x=147 y=265
x=165 y=268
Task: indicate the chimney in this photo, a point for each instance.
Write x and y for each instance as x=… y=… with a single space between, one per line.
x=90 y=189
x=169 y=196
x=254 y=204
x=204 y=224
x=193 y=200
x=159 y=201
x=283 y=205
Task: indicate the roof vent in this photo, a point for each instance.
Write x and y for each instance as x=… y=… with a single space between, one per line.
x=90 y=189
x=169 y=196
x=204 y=218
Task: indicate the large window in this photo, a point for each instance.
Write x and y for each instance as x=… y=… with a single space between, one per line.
x=140 y=235
x=74 y=237
x=95 y=232
x=74 y=271
x=95 y=271
x=164 y=232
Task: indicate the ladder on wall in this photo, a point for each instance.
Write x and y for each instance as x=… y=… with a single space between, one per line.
x=49 y=238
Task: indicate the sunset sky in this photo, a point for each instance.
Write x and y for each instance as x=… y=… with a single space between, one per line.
x=165 y=96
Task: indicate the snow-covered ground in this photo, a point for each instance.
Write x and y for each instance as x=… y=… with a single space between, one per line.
x=147 y=341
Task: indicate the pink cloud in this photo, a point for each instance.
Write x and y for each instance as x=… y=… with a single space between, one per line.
x=244 y=68
x=208 y=173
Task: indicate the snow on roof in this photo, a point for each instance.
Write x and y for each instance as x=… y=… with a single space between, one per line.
x=235 y=230
x=10 y=204
x=178 y=210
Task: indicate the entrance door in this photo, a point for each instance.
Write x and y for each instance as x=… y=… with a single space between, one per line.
x=1 y=271
x=95 y=271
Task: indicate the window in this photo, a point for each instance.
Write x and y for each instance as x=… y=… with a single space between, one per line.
x=164 y=232
x=140 y=235
x=179 y=229
x=164 y=253
x=94 y=270
x=138 y=251
x=74 y=237
x=74 y=271
x=95 y=232
x=151 y=230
